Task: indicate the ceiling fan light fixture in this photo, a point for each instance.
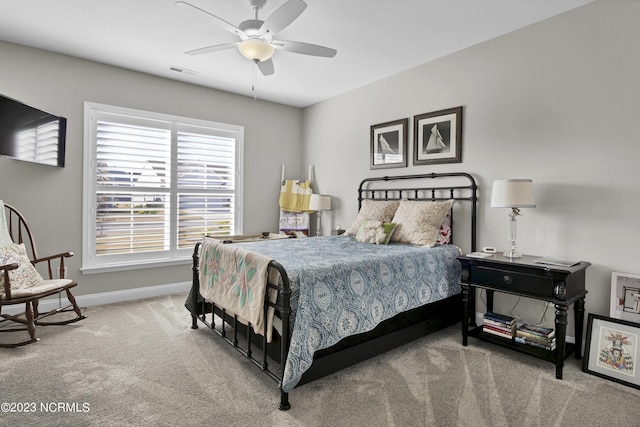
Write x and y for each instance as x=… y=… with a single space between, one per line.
x=256 y=50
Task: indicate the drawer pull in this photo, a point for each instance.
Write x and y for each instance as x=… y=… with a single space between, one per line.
x=507 y=279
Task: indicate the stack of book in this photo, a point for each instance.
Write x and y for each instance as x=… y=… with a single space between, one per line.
x=499 y=324
x=536 y=336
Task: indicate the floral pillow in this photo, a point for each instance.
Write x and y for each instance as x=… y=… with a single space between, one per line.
x=444 y=234
x=419 y=221
x=25 y=275
x=378 y=232
x=377 y=210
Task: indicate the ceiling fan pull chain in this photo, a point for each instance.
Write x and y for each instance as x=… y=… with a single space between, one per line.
x=254 y=89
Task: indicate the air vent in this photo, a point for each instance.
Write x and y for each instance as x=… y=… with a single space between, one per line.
x=182 y=70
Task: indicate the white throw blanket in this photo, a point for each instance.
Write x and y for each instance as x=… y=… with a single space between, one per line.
x=5 y=238
x=236 y=280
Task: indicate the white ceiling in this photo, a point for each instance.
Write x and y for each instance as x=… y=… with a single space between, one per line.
x=374 y=38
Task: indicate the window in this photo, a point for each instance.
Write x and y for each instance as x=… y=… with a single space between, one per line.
x=155 y=185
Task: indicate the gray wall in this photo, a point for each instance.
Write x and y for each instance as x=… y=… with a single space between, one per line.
x=51 y=198
x=556 y=102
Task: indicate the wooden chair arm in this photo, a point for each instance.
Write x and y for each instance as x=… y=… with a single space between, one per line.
x=8 y=267
x=4 y=269
x=50 y=257
x=50 y=268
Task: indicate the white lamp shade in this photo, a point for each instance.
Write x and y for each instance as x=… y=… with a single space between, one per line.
x=513 y=193
x=256 y=50
x=319 y=202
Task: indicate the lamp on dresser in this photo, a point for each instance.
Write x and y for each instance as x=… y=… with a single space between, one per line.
x=514 y=194
x=319 y=203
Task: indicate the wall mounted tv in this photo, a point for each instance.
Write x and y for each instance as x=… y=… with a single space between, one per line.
x=32 y=135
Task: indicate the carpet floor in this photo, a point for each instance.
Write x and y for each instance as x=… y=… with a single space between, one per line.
x=140 y=364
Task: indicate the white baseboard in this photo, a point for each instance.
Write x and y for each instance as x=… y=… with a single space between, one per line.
x=108 y=297
x=141 y=293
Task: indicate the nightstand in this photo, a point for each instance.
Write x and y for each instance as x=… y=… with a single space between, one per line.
x=561 y=286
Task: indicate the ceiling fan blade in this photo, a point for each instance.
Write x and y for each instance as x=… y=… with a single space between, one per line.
x=304 y=48
x=219 y=21
x=211 y=49
x=266 y=67
x=282 y=17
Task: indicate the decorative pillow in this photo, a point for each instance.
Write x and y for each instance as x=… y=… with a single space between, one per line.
x=22 y=277
x=378 y=232
x=377 y=210
x=444 y=234
x=419 y=221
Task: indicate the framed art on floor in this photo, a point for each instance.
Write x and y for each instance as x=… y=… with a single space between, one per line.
x=625 y=296
x=389 y=144
x=611 y=349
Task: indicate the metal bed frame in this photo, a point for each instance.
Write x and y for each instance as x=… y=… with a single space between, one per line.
x=392 y=333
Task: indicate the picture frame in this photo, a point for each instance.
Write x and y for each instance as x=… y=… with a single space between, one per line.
x=625 y=296
x=611 y=350
x=437 y=137
x=389 y=142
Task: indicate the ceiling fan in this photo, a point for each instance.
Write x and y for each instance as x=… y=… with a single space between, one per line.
x=256 y=37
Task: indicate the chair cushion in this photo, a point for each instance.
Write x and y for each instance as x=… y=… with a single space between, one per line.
x=25 y=276
x=43 y=286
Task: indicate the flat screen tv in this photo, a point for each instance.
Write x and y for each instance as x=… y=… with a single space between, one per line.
x=30 y=134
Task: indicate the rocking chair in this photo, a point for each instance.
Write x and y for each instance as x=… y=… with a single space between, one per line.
x=20 y=283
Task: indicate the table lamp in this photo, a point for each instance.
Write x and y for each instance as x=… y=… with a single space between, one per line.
x=319 y=203
x=514 y=194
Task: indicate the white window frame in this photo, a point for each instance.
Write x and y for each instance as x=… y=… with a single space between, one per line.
x=98 y=264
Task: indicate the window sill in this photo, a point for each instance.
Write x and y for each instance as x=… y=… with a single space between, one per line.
x=110 y=268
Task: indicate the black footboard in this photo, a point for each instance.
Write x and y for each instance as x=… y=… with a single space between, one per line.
x=234 y=332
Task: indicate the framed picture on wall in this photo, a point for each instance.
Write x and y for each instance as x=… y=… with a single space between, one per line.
x=389 y=144
x=438 y=137
x=625 y=296
x=611 y=350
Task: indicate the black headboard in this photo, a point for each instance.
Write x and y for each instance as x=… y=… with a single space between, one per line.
x=459 y=186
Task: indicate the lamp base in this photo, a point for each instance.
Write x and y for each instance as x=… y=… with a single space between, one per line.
x=318 y=225
x=512 y=254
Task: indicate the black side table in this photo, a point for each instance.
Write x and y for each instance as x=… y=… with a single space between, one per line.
x=524 y=277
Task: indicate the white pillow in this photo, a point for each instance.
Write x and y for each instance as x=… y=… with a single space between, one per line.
x=5 y=238
x=418 y=221
x=25 y=275
x=374 y=210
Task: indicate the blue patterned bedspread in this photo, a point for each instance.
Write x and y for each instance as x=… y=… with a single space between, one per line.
x=342 y=287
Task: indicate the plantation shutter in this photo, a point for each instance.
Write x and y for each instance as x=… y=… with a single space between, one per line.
x=133 y=172
x=205 y=186
x=155 y=185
